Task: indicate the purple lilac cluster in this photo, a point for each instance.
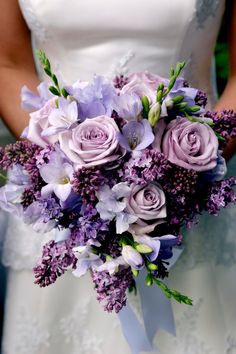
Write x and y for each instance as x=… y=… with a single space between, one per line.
x=220 y=195
x=111 y=289
x=116 y=169
x=224 y=124
x=150 y=166
x=56 y=259
x=90 y=226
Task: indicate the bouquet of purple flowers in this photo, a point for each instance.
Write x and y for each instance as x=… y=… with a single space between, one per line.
x=117 y=169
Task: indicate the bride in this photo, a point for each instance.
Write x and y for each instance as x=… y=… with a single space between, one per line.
x=82 y=38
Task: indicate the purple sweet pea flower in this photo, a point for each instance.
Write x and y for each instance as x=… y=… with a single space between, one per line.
x=95 y=98
x=10 y=198
x=132 y=257
x=11 y=193
x=33 y=216
x=112 y=205
x=57 y=174
x=155 y=244
x=136 y=136
x=31 y=101
x=62 y=118
x=128 y=107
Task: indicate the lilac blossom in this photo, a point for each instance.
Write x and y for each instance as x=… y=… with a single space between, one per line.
x=136 y=136
x=111 y=289
x=58 y=182
x=89 y=225
x=150 y=166
x=62 y=118
x=56 y=259
x=112 y=205
x=220 y=195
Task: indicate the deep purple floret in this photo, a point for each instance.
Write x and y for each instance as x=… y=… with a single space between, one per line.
x=183 y=196
x=51 y=209
x=56 y=259
x=224 y=124
x=87 y=182
x=44 y=155
x=150 y=166
x=201 y=99
x=90 y=226
x=220 y=195
x=111 y=289
x=18 y=153
x=120 y=81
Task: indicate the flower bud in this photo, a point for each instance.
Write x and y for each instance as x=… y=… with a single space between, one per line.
x=132 y=257
x=142 y=248
x=154 y=114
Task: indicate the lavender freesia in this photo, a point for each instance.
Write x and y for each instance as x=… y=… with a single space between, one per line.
x=62 y=118
x=58 y=182
x=136 y=136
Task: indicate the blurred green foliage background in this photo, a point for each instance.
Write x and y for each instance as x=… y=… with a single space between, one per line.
x=221 y=51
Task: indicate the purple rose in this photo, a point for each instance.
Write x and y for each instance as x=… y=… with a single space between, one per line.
x=148 y=203
x=143 y=84
x=38 y=123
x=93 y=142
x=190 y=145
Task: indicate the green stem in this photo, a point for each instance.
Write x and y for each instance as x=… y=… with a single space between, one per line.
x=3 y=177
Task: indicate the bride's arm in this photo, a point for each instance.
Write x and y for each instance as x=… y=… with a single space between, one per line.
x=228 y=98
x=16 y=65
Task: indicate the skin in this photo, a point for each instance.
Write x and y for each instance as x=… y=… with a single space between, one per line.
x=17 y=69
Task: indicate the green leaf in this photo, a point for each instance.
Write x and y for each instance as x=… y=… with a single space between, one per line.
x=3 y=177
x=171 y=293
x=64 y=92
x=54 y=91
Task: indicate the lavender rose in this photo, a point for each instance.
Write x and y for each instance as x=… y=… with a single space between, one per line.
x=143 y=84
x=148 y=203
x=38 y=123
x=93 y=142
x=190 y=145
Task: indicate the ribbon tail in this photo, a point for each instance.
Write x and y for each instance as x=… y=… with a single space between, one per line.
x=156 y=308
x=157 y=314
x=134 y=332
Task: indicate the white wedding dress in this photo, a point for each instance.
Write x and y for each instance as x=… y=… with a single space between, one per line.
x=83 y=37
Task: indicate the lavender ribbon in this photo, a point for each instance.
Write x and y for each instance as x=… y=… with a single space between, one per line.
x=157 y=314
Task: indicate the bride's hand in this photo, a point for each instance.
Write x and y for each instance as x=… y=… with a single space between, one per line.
x=16 y=65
